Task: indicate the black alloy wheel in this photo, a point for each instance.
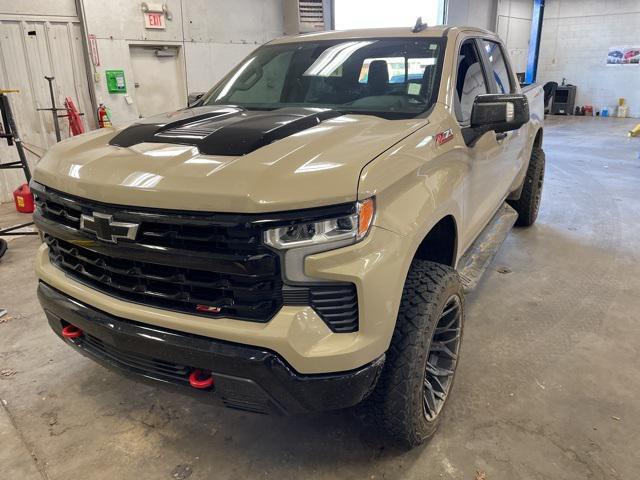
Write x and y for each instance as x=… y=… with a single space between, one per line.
x=442 y=358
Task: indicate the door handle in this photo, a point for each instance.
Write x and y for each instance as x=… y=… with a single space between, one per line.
x=501 y=136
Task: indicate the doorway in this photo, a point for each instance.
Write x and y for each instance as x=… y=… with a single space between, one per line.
x=159 y=79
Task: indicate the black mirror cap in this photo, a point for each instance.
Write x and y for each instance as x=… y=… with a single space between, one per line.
x=499 y=112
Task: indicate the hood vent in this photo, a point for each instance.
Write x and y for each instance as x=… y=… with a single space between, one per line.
x=224 y=130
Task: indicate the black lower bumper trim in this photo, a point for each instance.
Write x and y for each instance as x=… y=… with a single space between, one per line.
x=247 y=378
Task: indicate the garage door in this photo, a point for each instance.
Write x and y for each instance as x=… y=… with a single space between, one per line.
x=29 y=50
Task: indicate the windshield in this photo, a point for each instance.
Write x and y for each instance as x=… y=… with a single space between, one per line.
x=396 y=78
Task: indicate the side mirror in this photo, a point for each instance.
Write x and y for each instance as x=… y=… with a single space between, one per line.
x=500 y=113
x=193 y=97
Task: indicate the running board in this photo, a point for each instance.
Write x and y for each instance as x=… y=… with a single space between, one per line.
x=479 y=255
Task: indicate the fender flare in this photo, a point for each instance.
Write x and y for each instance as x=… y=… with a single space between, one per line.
x=515 y=194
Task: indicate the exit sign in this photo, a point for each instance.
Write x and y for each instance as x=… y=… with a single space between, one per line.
x=154 y=20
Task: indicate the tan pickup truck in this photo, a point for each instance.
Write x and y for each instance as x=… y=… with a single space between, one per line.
x=299 y=238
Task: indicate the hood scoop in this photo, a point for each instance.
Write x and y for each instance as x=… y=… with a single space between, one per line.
x=223 y=130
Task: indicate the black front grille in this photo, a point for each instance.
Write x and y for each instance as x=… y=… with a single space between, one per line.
x=202 y=264
x=255 y=297
x=193 y=233
x=213 y=265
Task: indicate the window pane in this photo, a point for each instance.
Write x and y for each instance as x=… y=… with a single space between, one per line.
x=469 y=81
x=397 y=76
x=499 y=66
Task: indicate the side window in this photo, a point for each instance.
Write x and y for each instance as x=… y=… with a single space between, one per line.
x=469 y=81
x=500 y=72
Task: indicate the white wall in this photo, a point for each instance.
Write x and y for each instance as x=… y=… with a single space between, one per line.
x=219 y=33
x=474 y=13
x=576 y=35
x=514 y=28
x=213 y=36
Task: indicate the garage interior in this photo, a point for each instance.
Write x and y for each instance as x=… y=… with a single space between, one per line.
x=548 y=380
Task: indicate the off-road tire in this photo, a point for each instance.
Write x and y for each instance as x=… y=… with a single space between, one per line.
x=396 y=404
x=528 y=204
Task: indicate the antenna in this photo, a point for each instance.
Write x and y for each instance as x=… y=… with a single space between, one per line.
x=419 y=26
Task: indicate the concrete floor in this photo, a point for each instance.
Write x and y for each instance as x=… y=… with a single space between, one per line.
x=548 y=385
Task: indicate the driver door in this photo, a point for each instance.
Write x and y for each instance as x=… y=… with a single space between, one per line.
x=483 y=191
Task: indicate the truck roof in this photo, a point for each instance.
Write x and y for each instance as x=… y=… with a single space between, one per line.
x=395 y=32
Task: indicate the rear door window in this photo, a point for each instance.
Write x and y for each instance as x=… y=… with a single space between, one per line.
x=499 y=72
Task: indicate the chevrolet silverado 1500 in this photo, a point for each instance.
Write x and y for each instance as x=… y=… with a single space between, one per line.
x=299 y=238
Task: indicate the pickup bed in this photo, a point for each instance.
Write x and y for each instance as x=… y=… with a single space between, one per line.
x=299 y=238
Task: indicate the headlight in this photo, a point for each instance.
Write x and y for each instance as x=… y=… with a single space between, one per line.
x=351 y=227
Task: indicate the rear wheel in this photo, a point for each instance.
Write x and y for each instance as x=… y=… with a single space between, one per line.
x=528 y=204
x=422 y=358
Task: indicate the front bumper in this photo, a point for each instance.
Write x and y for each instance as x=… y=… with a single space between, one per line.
x=375 y=265
x=247 y=378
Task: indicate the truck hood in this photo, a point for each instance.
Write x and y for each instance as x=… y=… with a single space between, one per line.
x=224 y=159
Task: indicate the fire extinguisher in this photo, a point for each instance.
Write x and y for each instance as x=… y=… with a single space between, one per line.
x=104 y=118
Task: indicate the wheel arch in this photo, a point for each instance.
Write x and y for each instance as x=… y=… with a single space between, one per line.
x=537 y=140
x=440 y=243
x=536 y=143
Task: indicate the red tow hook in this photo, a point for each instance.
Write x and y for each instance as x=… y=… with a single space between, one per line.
x=71 y=332
x=200 y=380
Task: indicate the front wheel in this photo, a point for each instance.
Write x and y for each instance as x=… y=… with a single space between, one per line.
x=422 y=358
